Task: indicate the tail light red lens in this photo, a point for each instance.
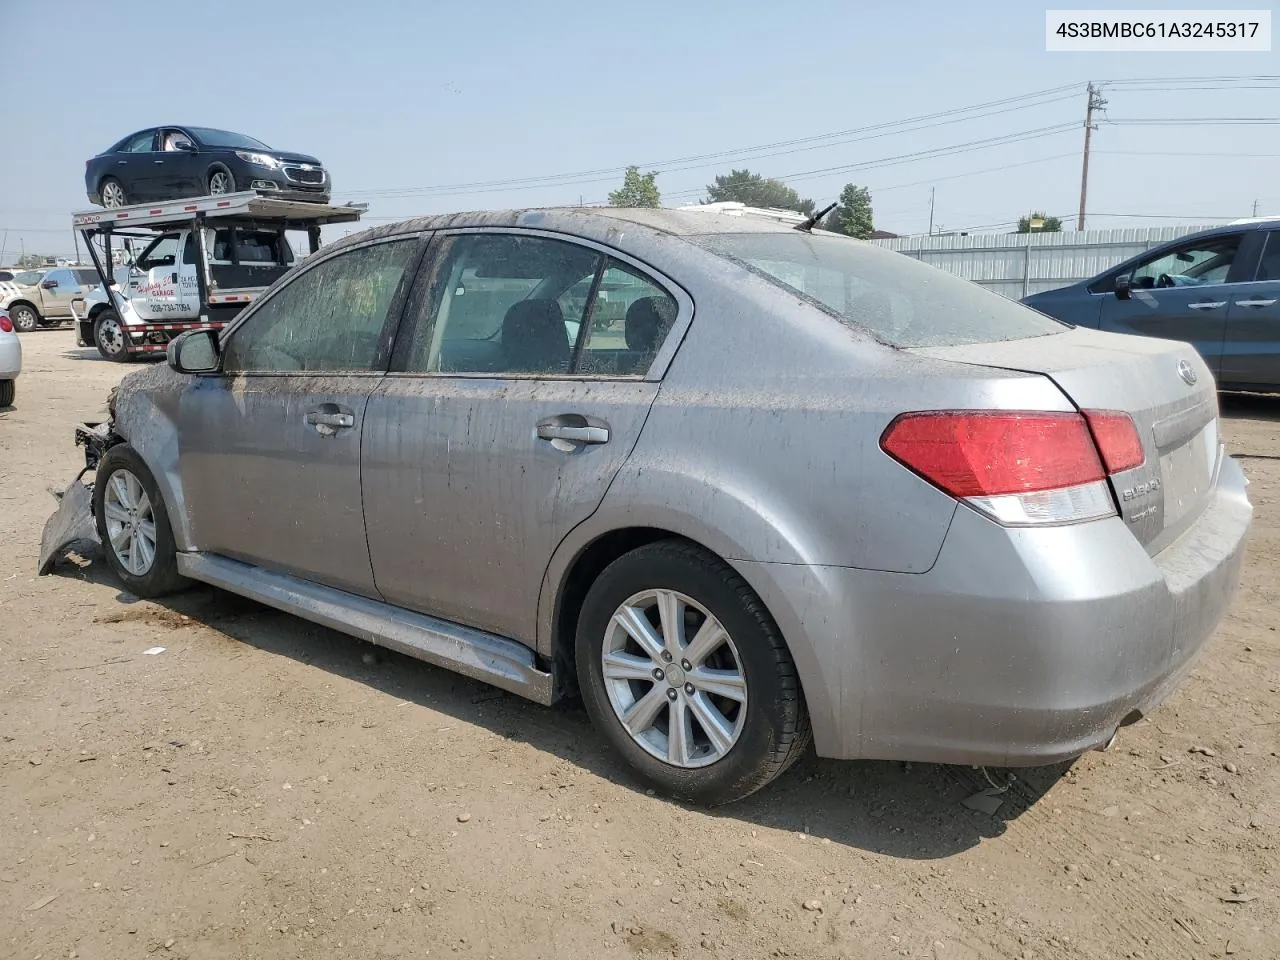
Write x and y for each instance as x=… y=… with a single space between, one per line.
x=6 y=325
x=1017 y=467
x=1117 y=439
x=983 y=454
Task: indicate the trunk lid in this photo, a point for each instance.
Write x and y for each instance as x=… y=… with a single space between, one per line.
x=1163 y=384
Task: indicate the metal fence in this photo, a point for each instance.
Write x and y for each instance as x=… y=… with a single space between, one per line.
x=1019 y=264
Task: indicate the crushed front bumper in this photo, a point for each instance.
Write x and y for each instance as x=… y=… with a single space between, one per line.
x=73 y=521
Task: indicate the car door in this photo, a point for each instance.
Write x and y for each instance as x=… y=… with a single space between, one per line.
x=269 y=448
x=1251 y=347
x=1181 y=293
x=178 y=170
x=57 y=291
x=506 y=415
x=134 y=167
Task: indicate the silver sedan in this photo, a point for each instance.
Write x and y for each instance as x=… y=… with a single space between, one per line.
x=10 y=360
x=738 y=485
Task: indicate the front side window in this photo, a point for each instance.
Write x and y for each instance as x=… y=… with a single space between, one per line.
x=1191 y=266
x=898 y=300
x=332 y=318
x=65 y=280
x=496 y=305
x=1269 y=266
x=161 y=252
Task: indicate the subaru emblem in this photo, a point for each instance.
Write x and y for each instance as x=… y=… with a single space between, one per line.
x=1187 y=373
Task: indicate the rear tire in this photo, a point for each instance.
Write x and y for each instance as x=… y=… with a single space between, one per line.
x=112 y=193
x=736 y=698
x=110 y=338
x=8 y=388
x=24 y=317
x=134 y=525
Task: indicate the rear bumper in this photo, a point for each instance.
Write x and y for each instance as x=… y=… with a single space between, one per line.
x=1020 y=647
x=10 y=358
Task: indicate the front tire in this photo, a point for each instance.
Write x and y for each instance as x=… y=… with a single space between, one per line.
x=221 y=181
x=685 y=673
x=24 y=317
x=134 y=525
x=8 y=389
x=110 y=337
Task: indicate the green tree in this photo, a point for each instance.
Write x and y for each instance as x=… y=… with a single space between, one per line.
x=754 y=190
x=30 y=261
x=1048 y=224
x=637 y=190
x=853 y=216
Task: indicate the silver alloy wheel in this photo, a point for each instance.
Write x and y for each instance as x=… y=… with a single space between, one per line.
x=682 y=700
x=24 y=318
x=112 y=195
x=219 y=183
x=131 y=524
x=111 y=335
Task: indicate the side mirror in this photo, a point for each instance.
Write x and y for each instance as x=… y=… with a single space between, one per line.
x=1123 y=288
x=195 y=351
x=50 y=284
x=186 y=146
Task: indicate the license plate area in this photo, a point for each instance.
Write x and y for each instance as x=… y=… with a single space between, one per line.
x=1187 y=472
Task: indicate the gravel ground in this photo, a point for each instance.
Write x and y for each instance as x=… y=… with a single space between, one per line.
x=267 y=788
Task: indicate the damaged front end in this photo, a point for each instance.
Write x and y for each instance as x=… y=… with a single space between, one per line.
x=73 y=521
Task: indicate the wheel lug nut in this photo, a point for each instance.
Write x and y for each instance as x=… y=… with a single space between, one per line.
x=666 y=655
x=671 y=693
x=688 y=688
x=686 y=665
x=658 y=674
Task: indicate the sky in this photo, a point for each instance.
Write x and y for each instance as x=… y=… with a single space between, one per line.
x=411 y=105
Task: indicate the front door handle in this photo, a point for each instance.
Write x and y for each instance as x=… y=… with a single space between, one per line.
x=572 y=428
x=329 y=418
x=1255 y=303
x=558 y=431
x=1207 y=305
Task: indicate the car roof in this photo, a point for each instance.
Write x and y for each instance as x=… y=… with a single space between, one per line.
x=587 y=221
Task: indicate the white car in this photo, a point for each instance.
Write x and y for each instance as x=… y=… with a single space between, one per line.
x=10 y=360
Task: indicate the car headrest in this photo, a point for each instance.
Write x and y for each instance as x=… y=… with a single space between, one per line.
x=647 y=319
x=534 y=338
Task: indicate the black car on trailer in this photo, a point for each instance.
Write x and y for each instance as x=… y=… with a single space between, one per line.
x=173 y=162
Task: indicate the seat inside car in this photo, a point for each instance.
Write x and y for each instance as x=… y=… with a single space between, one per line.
x=534 y=338
x=645 y=321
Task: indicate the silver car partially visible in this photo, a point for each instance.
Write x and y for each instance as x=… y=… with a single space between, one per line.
x=738 y=484
x=10 y=360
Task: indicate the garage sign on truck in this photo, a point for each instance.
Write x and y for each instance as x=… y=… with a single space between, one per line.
x=201 y=261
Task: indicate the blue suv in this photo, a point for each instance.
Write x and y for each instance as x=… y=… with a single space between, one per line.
x=1218 y=290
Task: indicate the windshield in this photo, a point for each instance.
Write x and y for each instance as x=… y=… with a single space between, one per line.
x=224 y=138
x=896 y=299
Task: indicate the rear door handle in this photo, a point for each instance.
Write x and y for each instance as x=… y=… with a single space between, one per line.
x=1255 y=303
x=1207 y=305
x=329 y=418
x=556 y=430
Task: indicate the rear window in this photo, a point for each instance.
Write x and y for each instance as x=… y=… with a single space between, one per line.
x=87 y=278
x=898 y=300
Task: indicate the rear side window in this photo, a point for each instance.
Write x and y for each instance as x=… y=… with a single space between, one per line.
x=87 y=278
x=1269 y=267
x=139 y=142
x=898 y=300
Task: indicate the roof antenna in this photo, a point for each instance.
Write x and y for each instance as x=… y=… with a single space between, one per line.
x=813 y=219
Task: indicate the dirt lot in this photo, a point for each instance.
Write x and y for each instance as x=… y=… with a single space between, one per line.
x=262 y=788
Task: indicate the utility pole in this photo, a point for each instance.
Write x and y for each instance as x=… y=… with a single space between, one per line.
x=1255 y=208
x=1095 y=103
x=931 y=189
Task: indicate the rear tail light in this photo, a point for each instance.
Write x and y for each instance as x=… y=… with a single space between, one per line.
x=6 y=326
x=1019 y=467
x=1117 y=439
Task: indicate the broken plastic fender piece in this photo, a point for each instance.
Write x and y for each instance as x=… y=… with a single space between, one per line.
x=72 y=522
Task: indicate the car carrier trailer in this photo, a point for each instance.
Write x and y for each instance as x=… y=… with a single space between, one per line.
x=204 y=260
